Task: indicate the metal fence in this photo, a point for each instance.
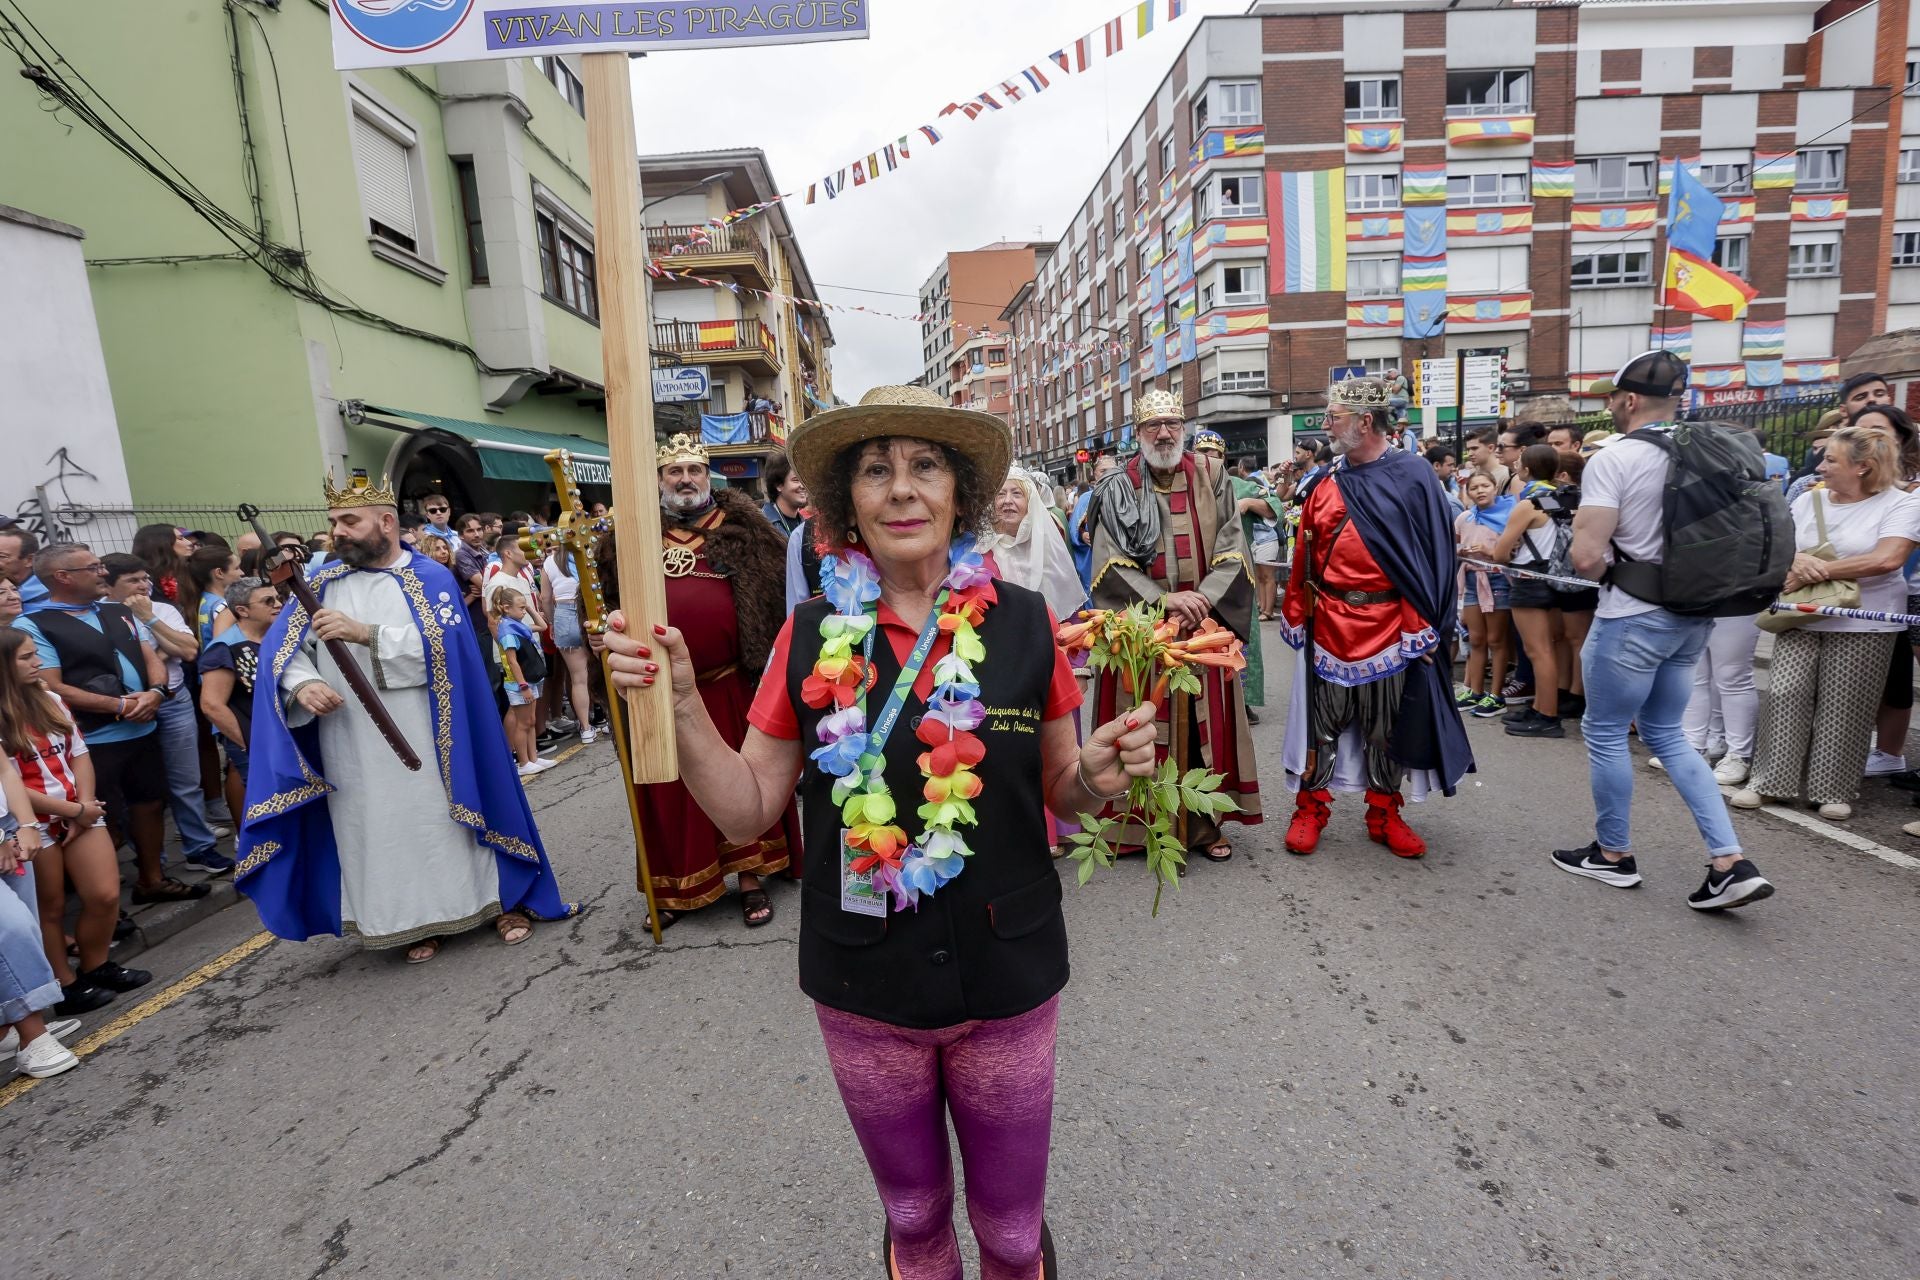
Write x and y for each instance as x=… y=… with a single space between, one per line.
x=107 y=529
x=1784 y=422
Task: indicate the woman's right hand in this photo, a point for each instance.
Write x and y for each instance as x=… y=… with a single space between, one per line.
x=635 y=665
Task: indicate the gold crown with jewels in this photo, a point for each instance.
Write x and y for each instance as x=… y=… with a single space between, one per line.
x=1157 y=404
x=682 y=448
x=1359 y=393
x=361 y=492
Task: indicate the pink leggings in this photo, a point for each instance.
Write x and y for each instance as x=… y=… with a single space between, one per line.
x=996 y=1078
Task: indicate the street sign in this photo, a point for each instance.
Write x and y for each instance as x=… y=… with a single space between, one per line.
x=393 y=33
x=1344 y=372
x=1436 y=383
x=1484 y=379
x=682 y=384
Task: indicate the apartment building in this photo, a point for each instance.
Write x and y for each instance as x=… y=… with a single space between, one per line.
x=1494 y=170
x=962 y=300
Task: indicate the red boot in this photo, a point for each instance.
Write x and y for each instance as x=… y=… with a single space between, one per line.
x=1309 y=820
x=1386 y=826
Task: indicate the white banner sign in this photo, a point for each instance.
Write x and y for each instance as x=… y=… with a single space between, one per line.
x=682 y=384
x=392 y=33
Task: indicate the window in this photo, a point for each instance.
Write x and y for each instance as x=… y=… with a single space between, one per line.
x=563 y=79
x=1593 y=270
x=1910 y=166
x=1120 y=280
x=386 y=156
x=1376 y=366
x=1913 y=76
x=1809 y=259
x=1489 y=93
x=1119 y=221
x=1080 y=264
x=1100 y=298
x=1227 y=103
x=1166 y=156
x=1099 y=241
x=1821 y=169
x=1086 y=318
x=566 y=266
x=469 y=186
x=1373 y=190
x=1603 y=178
x=1374 y=99
x=1373 y=277
x=1146 y=261
x=1906 y=248
x=1139 y=190
x=1232 y=195
x=1241 y=286
x=996 y=355
x=1234 y=370
x=1487 y=189
x=1488 y=269
x=1734 y=179
x=1730 y=254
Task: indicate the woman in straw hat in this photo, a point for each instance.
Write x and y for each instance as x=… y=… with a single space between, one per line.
x=931 y=935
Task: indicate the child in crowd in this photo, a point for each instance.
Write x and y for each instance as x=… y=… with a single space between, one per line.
x=39 y=735
x=27 y=986
x=227 y=669
x=1484 y=595
x=521 y=661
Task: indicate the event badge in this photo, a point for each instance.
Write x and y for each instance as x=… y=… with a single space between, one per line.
x=857 y=893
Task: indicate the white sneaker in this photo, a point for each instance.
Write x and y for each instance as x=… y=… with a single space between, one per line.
x=1880 y=764
x=45 y=1057
x=540 y=765
x=1731 y=771
x=1836 y=812
x=1716 y=749
x=1746 y=799
x=10 y=1042
x=1653 y=762
x=589 y=736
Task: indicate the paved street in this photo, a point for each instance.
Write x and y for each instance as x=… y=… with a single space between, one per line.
x=1469 y=1066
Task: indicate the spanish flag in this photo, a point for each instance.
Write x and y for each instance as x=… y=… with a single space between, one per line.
x=1698 y=286
x=1615 y=217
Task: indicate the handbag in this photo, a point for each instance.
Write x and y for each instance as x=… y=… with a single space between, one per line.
x=1842 y=593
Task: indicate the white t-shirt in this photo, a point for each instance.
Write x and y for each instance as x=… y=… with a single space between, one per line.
x=566 y=588
x=1854 y=528
x=168 y=616
x=1631 y=481
x=498 y=576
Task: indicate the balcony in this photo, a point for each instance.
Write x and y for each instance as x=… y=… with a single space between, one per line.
x=748 y=343
x=707 y=249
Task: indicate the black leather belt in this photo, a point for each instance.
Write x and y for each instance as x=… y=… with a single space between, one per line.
x=1362 y=597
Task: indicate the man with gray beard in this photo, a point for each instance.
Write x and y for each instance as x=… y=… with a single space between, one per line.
x=1166 y=530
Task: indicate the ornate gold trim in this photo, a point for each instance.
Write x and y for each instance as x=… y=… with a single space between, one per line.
x=261 y=855
x=1117 y=562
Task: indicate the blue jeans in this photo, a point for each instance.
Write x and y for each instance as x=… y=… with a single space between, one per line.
x=180 y=741
x=27 y=984
x=1639 y=671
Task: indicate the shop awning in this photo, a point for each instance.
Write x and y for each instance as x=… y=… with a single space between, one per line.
x=512 y=453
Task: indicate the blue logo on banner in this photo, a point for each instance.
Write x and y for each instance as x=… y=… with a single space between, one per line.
x=1486 y=223
x=1486 y=309
x=1373 y=313
x=1492 y=127
x=1613 y=218
x=1819 y=208
x=1376 y=139
x=1375 y=228
x=403 y=26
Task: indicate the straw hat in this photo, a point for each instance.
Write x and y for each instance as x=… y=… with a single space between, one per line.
x=901 y=411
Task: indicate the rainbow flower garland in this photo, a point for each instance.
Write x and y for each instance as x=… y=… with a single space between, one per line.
x=900 y=865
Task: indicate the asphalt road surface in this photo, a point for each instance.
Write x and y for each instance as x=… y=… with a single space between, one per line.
x=1347 y=1065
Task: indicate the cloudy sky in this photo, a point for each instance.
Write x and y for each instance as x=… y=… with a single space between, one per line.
x=1012 y=174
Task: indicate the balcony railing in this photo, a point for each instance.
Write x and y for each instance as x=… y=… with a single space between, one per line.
x=713 y=337
x=697 y=244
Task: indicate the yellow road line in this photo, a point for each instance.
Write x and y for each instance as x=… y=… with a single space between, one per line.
x=132 y=1018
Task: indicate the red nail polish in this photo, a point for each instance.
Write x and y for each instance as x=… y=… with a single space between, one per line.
x=659 y=630
x=1132 y=723
x=646 y=680
x=645 y=652
x=652 y=667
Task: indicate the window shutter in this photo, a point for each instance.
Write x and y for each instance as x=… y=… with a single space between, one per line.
x=386 y=177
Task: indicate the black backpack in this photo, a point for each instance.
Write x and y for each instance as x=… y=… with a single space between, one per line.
x=1727 y=536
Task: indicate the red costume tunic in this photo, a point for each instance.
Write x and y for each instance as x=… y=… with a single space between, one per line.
x=1353 y=643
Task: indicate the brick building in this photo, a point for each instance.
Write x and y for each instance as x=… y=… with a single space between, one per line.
x=963 y=347
x=1494 y=170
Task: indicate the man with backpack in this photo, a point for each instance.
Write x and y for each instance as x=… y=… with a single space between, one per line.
x=1680 y=523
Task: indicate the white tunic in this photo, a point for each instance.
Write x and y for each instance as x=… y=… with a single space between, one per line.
x=407 y=870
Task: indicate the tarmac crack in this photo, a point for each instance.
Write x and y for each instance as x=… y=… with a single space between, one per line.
x=333 y=1249
x=564 y=962
x=473 y=1109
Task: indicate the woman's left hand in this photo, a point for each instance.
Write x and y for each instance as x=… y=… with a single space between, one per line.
x=1120 y=751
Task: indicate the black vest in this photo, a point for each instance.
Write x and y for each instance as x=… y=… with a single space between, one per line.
x=992 y=943
x=88 y=658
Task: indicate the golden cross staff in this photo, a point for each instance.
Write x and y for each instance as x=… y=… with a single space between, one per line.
x=576 y=533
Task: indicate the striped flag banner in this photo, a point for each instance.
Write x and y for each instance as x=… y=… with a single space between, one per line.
x=1553 y=179
x=1387 y=225
x=1736 y=210
x=1812 y=370
x=1640 y=216
x=1143 y=18
x=1495 y=310
x=1666 y=170
x=1763 y=339
x=1820 y=208
x=1423 y=183
x=1235 y=233
x=1716 y=377
x=1386 y=136
x=1176 y=9
x=1489 y=131
x=1240 y=322
x=1387 y=313
x=1677 y=338
x=1115 y=34
x=1306 y=244
x=1419 y=275
x=1775 y=170
x=1217 y=144
x=1489 y=222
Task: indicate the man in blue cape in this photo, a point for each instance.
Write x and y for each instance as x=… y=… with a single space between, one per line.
x=1371 y=606
x=339 y=836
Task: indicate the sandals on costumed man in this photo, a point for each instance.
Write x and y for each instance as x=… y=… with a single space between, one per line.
x=506 y=923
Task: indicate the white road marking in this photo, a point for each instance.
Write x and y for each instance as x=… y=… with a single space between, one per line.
x=1860 y=844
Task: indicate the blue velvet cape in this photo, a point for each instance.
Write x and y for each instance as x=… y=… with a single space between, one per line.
x=1400 y=512
x=289 y=864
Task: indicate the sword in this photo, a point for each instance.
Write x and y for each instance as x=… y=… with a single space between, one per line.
x=283 y=570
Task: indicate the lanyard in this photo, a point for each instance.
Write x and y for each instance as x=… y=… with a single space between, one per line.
x=909 y=672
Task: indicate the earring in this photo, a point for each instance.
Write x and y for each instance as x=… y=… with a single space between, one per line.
x=853 y=536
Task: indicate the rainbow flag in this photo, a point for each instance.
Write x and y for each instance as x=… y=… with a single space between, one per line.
x=1386 y=225
x=1820 y=208
x=1640 y=216
x=1475 y=131
x=1423 y=183
x=1489 y=222
x=1775 y=170
x=1219 y=144
x=1736 y=210
x=1183 y=223
x=1502 y=310
x=1386 y=313
x=1376 y=137
x=1306 y=248
x=1763 y=339
x=1553 y=179
x=1696 y=285
x=1812 y=370
x=1677 y=338
x=1419 y=275
x=1185 y=304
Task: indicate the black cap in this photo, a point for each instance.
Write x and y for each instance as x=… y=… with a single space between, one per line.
x=1660 y=374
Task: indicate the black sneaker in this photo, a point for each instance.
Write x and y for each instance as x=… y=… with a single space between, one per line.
x=1252 y=716
x=1589 y=862
x=124 y=928
x=1488 y=707
x=115 y=978
x=1520 y=712
x=1908 y=781
x=1572 y=705
x=1535 y=725
x=211 y=863
x=81 y=997
x=1735 y=887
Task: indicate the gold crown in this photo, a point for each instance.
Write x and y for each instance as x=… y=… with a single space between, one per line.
x=1359 y=393
x=1157 y=404
x=361 y=492
x=682 y=448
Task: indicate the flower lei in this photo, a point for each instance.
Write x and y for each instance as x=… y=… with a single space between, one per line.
x=901 y=865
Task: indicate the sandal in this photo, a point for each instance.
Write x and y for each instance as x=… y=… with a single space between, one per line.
x=1218 y=851
x=755 y=902
x=423 y=951
x=667 y=919
x=169 y=890
x=508 y=922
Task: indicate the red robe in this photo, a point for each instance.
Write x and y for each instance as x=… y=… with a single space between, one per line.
x=1353 y=644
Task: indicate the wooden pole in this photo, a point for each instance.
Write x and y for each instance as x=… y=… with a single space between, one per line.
x=626 y=331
